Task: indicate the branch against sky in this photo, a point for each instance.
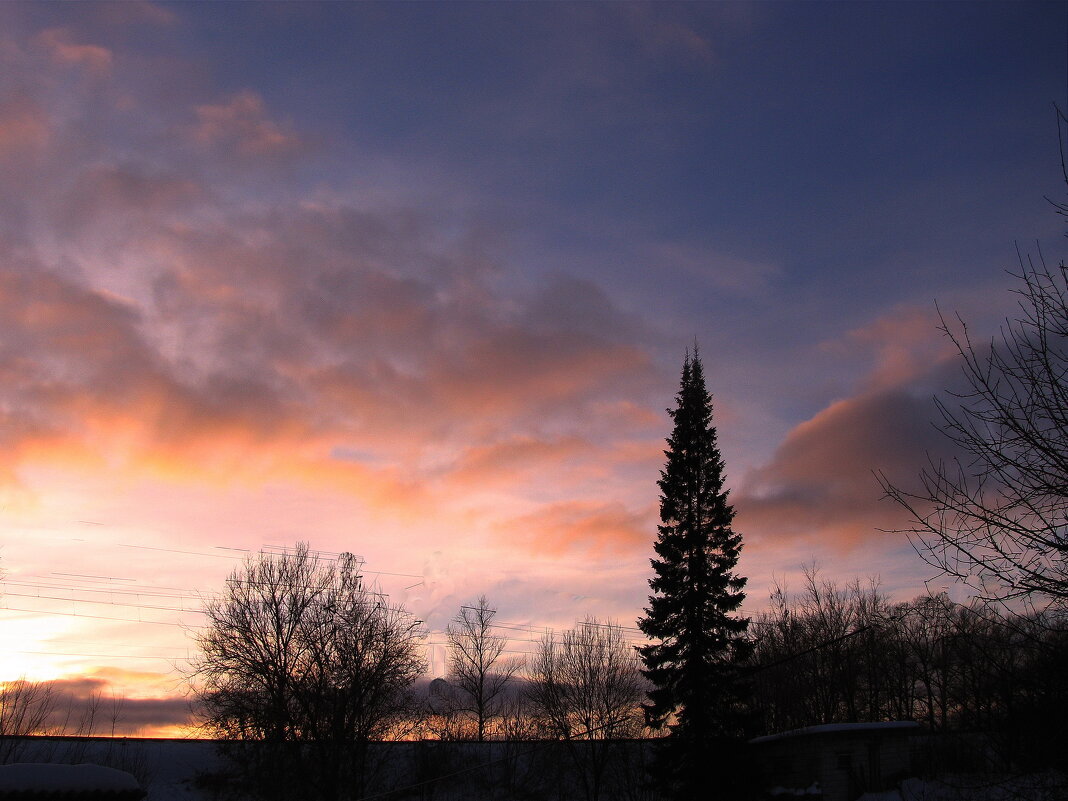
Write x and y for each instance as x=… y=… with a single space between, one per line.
x=300 y=651
x=481 y=678
x=995 y=517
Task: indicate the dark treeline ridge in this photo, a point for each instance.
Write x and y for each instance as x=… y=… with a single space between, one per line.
x=838 y=654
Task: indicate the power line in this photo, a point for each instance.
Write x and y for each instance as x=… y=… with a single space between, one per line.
x=98 y=644
x=159 y=657
x=104 y=603
x=272 y=550
x=176 y=550
x=101 y=617
x=87 y=576
x=148 y=591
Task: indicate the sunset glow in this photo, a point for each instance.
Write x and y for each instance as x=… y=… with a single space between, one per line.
x=415 y=281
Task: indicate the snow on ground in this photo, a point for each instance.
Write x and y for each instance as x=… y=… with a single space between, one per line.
x=831 y=728
x=813 y=789
x=1048 y=786
x=166 y=769
x=44 y=777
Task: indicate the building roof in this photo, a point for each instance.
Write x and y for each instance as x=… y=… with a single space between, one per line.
x=840 y=728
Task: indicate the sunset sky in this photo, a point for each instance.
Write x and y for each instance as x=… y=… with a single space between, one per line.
x=416 y=281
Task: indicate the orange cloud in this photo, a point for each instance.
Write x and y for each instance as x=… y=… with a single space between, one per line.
x=126 y=189
x=24 y=128
x=341 y=306
x=102 y=394
x=820 y=484
x=94 y=59
x=93 y=704
x=241 y=125
x=581 y=526
x=84 y=388
x=905 y=342
x=517 y=457
x=343 y=371
x=133 y=683
x=521 y=369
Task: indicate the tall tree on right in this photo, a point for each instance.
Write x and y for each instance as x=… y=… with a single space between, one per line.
x=699 y=641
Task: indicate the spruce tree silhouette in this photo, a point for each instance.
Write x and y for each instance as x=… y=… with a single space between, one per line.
x=699 y=640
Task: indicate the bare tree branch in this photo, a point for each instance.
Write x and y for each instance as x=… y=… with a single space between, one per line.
x=996 y=516
x=477 y=674
x=302 y=658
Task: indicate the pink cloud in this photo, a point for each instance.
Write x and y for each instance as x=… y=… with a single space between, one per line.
x=364 y=376
x=820 y=485
x=81 y=371
x=352 y=309
x=271 y=382
x=516 y=458
x=904 y=343
x=576 y=527
x=94 y=59
x=24 y=128
x=127 y=190
x=241 y=125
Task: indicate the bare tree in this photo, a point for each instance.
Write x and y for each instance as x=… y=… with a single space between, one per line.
x=821 y=655
x=304 y=660
x=996 y=517
x=478 y=676
x=839 y=654
x=25 y=708
x=587 y=688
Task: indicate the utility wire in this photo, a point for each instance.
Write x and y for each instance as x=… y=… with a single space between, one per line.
x=147 y=657
x=101 y=617
x=103 y=603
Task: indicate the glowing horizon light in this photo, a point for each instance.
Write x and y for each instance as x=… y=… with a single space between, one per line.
x=33 y=633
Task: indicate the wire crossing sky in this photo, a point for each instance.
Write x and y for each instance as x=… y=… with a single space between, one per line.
x=416 y=281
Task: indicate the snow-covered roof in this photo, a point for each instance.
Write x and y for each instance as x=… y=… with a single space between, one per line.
x=45 y=778
x=839 y=728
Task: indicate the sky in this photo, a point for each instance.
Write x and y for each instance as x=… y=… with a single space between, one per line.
x=416 y=281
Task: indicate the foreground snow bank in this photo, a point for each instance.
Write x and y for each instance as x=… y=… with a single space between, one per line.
x=812 y=789
x=1048 y=786
x=41 y=777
